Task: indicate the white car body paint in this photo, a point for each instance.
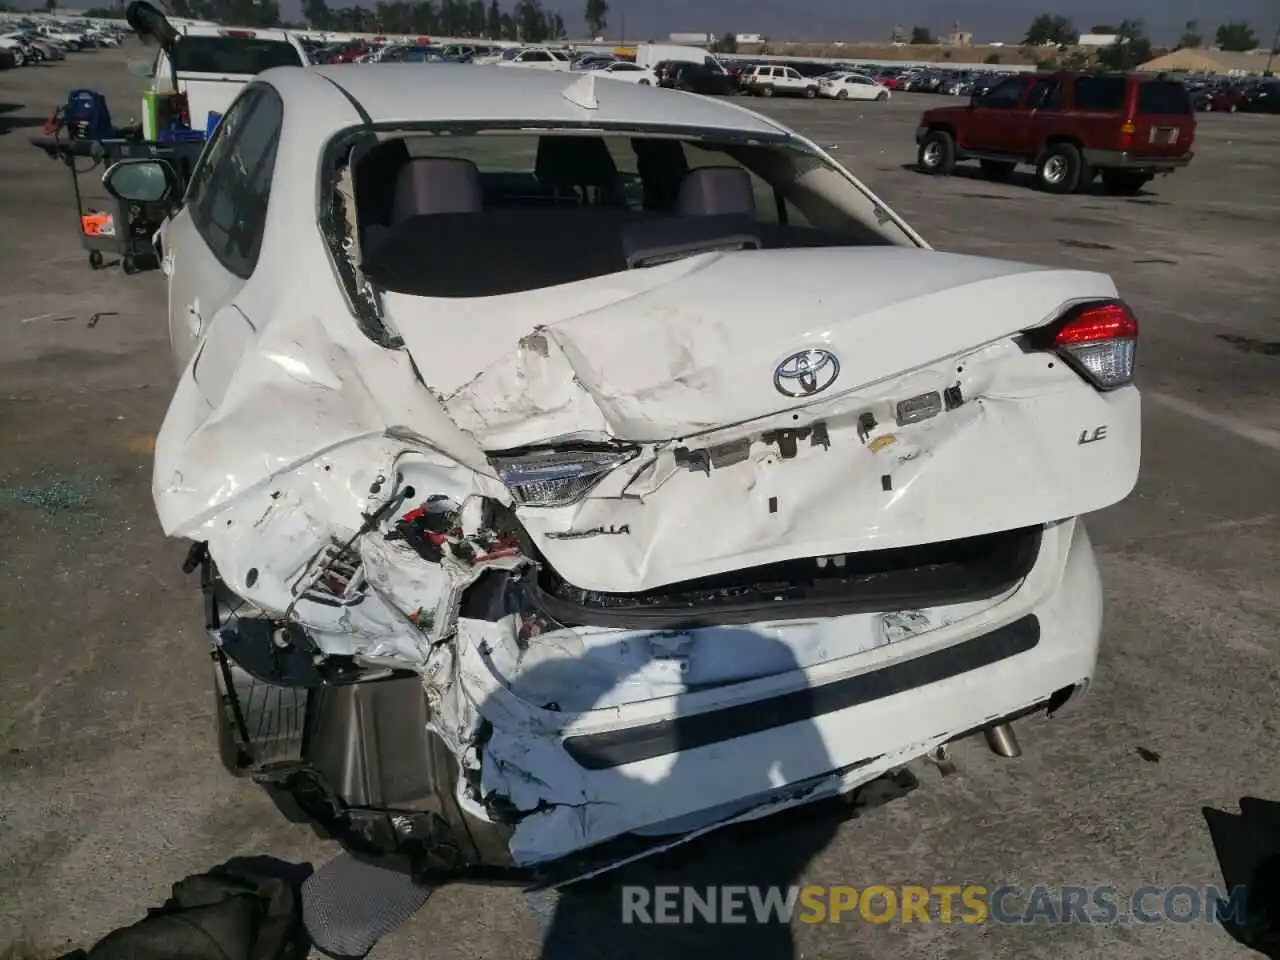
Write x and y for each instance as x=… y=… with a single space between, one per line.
x=290 y=427
x=853 y=86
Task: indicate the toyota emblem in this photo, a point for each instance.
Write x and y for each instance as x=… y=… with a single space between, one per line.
x=805 y=373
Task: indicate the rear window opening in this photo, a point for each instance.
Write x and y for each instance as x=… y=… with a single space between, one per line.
x=244 y=56
x=907 y=578
x=487 y=214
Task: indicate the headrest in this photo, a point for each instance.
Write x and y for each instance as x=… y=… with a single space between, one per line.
x=714 y=191
x=437 y=185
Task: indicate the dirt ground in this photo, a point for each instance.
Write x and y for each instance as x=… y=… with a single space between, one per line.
x=110 y=788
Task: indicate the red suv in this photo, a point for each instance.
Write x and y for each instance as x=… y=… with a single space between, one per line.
x=1070 y=127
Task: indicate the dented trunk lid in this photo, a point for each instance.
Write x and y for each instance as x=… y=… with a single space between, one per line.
x=693 y=346
x=733 y=473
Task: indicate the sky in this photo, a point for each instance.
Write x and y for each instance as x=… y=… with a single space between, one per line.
x=999 y=20
x=1004 y=20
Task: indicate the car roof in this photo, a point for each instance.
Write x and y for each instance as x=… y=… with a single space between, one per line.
x=447 y=92
x=205 y=30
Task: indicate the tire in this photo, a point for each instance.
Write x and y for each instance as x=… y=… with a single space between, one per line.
x=19 y=58
x=95 y=259
x=937 y=154
x=1123 y=183
x=766 y=91
x=996 y=169
x=1234 y=108
x=1059 y=168
x=842 y=95
x=810 y=92
x=883 y=96
x=129 y=265
x=642 y=83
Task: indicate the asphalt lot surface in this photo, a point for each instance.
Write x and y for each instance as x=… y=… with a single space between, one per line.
x=110 y=789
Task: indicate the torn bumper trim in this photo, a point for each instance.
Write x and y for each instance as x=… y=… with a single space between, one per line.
x=615 y=748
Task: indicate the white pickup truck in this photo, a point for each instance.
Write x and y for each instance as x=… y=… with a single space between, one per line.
x=214 y=62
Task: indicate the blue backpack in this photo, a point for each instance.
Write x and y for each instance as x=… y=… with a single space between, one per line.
x=87 y=117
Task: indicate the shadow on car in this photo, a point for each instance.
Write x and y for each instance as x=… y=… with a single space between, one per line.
x=1026 y=180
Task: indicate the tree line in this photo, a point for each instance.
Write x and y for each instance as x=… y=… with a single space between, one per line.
x=1048 y=28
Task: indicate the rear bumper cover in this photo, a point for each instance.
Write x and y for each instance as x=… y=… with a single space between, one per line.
x=680 y=766
x=1121 y=160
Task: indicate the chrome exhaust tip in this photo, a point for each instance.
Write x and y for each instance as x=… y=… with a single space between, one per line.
x=1002 y=740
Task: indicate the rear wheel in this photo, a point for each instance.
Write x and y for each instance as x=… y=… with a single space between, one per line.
x=883 y=95
x=1124 y=182
x=996 y=169
x=766 y=91
x=1060 y=168
x=842 y=95
x=937 y=153
x=643 y=83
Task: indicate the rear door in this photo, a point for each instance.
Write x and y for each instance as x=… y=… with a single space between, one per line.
x=1164 y=123
x=993 y=120
x=210 y=246
x=1040 y=113
x=1098 y=111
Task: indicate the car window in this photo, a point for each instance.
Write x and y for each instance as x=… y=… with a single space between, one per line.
x=625 y=67
x=536 y=56
x=1099 y=93
x=1045 y=95
x=1163 y=98
x=230 y=190
x=793 y=74
x=235 y=55
x=1006 y=93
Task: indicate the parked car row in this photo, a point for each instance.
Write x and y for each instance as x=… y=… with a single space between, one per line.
x=1235 y=96
x=28 y=41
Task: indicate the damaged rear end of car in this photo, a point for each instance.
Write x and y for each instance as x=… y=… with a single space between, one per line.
x=552 y=562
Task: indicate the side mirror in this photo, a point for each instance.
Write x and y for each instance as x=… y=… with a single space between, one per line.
x=141 y=181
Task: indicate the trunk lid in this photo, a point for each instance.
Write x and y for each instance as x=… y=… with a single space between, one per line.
x=734 y=473
x=695 y=346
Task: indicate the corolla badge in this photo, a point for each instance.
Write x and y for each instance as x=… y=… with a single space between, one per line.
x=806 y=372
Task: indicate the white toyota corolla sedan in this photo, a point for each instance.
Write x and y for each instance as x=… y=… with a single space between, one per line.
x=574 y=468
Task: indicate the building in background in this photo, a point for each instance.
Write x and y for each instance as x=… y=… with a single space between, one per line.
x=1219 y=62
x=1096 y=41
x=957 y=37
x=697 y=39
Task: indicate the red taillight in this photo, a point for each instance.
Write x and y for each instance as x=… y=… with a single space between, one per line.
x=242 y=34
x=1105 y=321
x=1098 y=340
x=183 y=110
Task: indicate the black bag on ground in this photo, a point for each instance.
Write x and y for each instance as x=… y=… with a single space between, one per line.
x=246 y=909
